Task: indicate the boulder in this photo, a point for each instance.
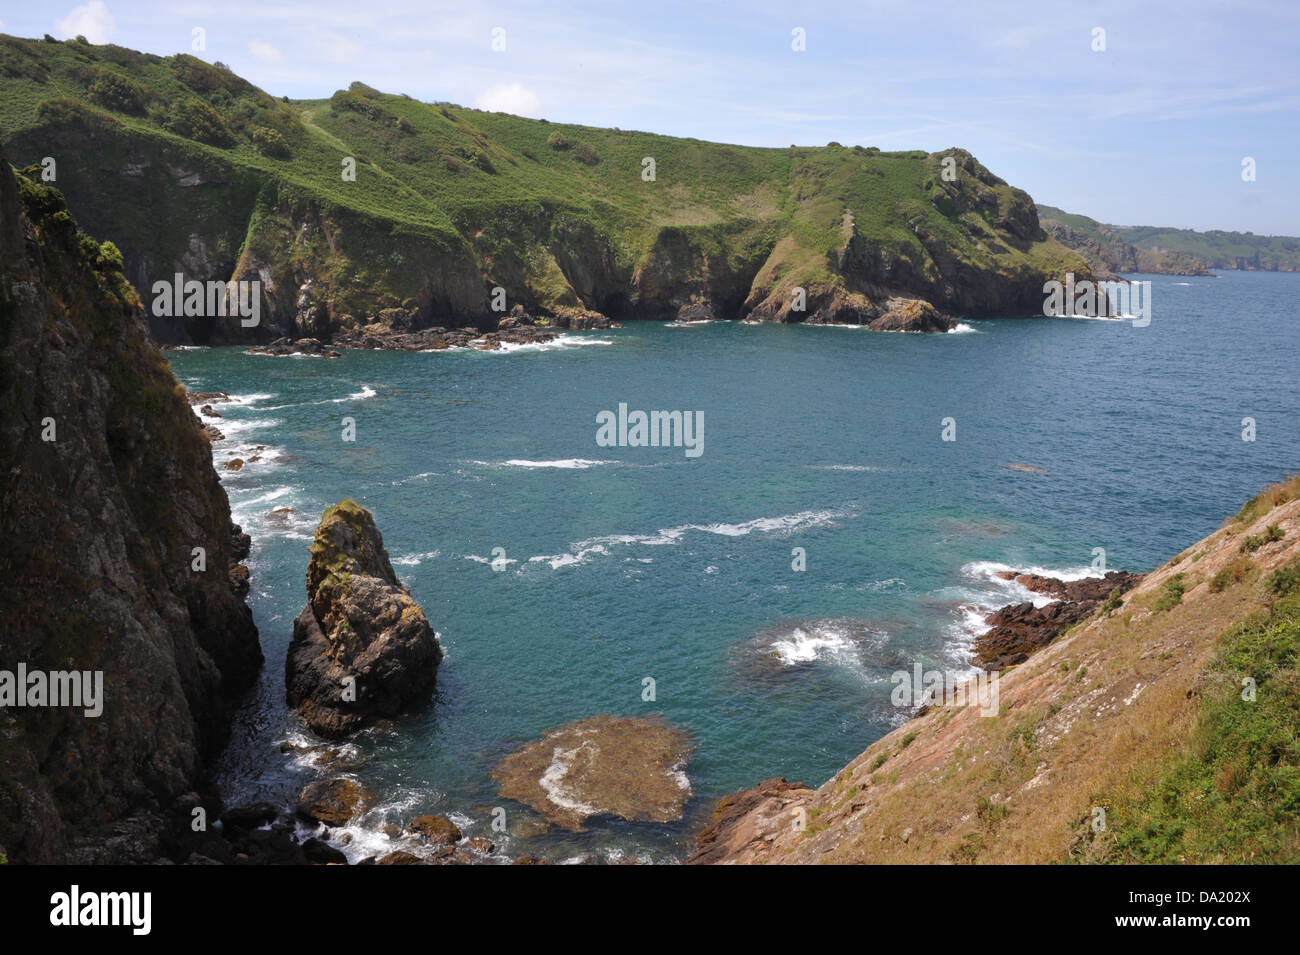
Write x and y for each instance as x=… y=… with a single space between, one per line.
x=438 y=830
x=362 y=648
x=911 y=315
x=331 y=801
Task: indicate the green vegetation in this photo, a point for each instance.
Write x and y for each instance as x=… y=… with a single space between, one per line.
x=1172 y=594
x=1113 y=602
x=1234 y=797
x=557 y=213
x=1183 y=251
x=1254 y=542
x=1284 y=581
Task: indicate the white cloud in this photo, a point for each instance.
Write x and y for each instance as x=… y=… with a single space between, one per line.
x=510 y=98
x=264 y=52
x=338 y=49
x=93 y=21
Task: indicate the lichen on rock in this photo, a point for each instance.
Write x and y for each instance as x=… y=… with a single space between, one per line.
x=362 y=648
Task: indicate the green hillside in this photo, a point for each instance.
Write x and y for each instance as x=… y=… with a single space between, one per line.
x=188 y=167
x=1143 y=248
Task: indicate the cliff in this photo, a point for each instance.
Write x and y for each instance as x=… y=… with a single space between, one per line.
x=1160 y=729
x=108 y=491
x=189 y=168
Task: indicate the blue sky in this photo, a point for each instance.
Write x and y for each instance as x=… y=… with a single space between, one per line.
x=1151 y=131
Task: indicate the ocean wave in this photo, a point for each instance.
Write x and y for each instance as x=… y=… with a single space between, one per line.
x=581 y=551
x=233 y=426
x=804 y=645
x=514 y=348
x=365 y=392
x=848 y=467
x=961 y=328
x=414 y=560
x=580 y=464
x=414 y=477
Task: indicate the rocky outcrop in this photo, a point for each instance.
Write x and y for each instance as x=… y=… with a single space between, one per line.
x=362 y=648
x=742 y=821
x=119 y=552
x=628 y=767
x=1017 y=630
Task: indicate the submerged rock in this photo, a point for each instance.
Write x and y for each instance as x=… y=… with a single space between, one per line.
x=362 y=648
x=631 y=767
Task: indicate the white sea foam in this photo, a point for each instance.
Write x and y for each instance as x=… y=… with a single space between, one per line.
x=514 y=348
x=552 y=781
x=414 y=560
x=961 y=328
x=802 y=645
x=503 y=561
x=365 y=392
x=252 y=399
x=847 y=467
x=580 y=464
x=229 y=427
x=581 y=551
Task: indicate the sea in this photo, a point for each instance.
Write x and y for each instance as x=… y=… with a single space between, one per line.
x=854 y=497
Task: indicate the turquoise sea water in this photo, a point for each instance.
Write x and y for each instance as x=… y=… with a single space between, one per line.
x=627 y=563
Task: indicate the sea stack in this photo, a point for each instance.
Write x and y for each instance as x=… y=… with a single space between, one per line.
x=362 y=648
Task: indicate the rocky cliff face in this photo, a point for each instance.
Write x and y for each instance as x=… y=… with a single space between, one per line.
x=362 y=648
x=119 y=556
x=372 y=211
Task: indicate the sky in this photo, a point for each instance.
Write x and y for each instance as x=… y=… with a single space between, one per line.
x=1147 y=122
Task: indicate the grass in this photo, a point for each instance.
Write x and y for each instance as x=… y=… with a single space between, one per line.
x=491 y=190
x=1235 y=796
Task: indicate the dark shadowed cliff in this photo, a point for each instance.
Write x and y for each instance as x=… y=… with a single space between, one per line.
x=108 y=489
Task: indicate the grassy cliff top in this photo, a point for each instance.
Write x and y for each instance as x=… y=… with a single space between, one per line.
x=453 y=174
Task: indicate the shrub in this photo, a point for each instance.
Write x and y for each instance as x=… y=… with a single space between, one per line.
x=1285 y=580
x=586 y=153
x=63 y=111
x=1254 y=542
x=117 y=92
x=109 y=258
x=1112 y=603
x=557 y=141
x=269 y=142
x=196 y=120
x=1172 y=595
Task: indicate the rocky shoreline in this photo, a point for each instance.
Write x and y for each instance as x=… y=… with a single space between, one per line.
x=1017 y=630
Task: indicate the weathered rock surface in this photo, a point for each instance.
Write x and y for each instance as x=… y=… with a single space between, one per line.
x=631 y=767
x=437 y=830
x=1018 y=630
x=108 y=488
x=741 y=821
x=331 y=801
x=362 y=648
